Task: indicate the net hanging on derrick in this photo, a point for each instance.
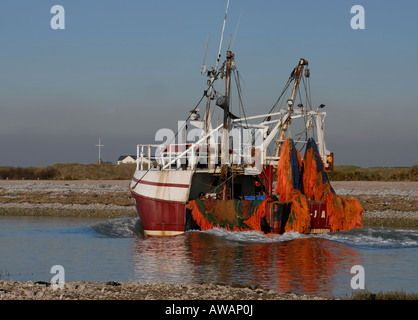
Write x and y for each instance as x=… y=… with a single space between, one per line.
x=298 y=181
x=344 y=213
x=289 y=188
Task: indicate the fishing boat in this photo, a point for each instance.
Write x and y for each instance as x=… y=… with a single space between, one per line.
x=245 y=173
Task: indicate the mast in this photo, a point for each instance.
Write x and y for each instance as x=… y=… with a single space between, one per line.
x=225 y=132
x=208 y=117
x=213 y=74
x=222 y=37
x=297 y=73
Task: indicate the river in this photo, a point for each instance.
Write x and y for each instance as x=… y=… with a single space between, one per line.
x=114 y=250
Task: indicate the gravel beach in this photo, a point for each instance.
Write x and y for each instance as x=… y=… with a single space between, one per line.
x=391 y=204
x=81 y=290
x=89 y=198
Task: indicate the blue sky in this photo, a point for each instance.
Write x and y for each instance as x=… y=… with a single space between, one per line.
x=121 y=70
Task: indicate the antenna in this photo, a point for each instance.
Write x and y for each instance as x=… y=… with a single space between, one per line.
x=222 y=37
x=236 y=28
x=203 y=69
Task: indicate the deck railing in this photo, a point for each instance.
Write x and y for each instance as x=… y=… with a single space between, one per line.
x=250 y=156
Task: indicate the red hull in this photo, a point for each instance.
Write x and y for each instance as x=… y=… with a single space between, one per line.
x=165 y=218
x=319 y=217
x=160 y=217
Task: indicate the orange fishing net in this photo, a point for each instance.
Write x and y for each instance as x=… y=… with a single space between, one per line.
x=297 y=182
x=299 y=217
x=235 y=215
x=259 y=212
x=344 y=214
x=288 y=187
x=288 y=170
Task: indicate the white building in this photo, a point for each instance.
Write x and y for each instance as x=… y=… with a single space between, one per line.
x=127 y=159
x=130 y=159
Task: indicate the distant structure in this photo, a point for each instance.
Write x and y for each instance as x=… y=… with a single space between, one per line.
x=132 y=159
x=127 y=159
x=100 y=161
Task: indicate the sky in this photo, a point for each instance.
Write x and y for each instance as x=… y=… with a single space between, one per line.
x=121 y=70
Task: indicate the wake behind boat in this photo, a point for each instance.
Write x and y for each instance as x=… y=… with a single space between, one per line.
x=246 y=173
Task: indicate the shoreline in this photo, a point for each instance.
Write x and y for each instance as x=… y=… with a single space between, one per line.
x=67 y=210
x=387 y=218
x=387 y=204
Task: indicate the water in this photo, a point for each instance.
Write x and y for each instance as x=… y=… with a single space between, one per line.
x=114 y=250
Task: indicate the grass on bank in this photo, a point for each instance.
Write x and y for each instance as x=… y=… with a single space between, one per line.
x=354 y=173
x=77 y=171
x=391 y=295
x=70 y=171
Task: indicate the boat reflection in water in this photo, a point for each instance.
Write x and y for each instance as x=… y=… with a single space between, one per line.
x=298 y=263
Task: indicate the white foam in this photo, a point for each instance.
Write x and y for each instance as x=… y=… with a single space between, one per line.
x=375 y=238
x=124 y=227
x=253 y=236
